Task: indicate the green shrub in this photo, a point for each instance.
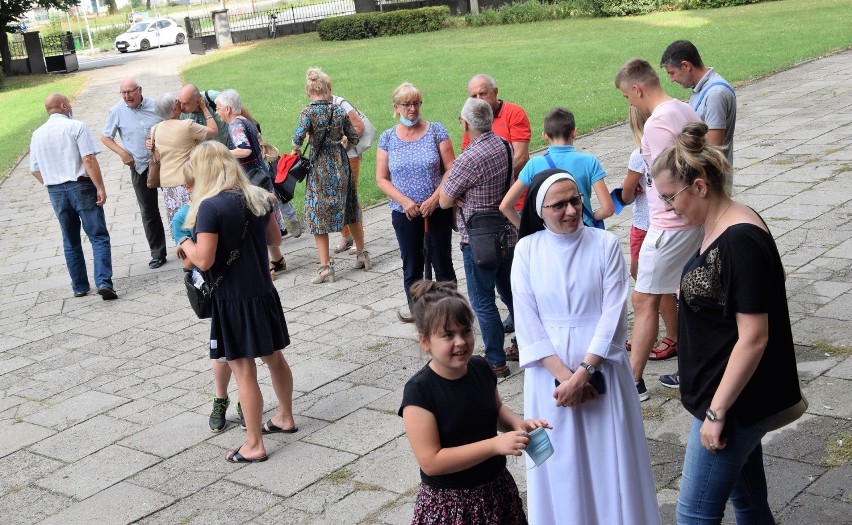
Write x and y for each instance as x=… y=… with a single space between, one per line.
x=371 y=25
x=523 y=12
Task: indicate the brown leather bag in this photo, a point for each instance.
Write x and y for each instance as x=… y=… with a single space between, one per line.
x=154 y=165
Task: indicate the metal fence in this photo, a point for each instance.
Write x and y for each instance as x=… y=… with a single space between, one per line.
x=53 y=45
x=291 y=14
x=16 y=46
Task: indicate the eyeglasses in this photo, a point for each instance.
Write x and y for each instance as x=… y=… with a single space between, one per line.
x=574 y=201
x=130 y=91
x=669 y=200
x=407 y=105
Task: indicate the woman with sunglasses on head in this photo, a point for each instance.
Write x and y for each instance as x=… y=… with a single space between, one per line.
x=737 y=361
x=569 y=289
x=412 y=161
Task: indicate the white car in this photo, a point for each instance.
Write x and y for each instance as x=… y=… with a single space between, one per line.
x=152 y=33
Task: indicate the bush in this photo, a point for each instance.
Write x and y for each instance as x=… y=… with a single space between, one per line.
x=371 y=25
x=523 y=12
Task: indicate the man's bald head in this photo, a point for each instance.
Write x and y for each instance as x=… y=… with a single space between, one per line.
x=57 y=103
x=188 y=96
x=131 y=92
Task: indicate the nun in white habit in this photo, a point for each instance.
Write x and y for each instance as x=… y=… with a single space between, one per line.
x=569 y=285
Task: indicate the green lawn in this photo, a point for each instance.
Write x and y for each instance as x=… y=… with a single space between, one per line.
x=22 y=107
x=570 y=63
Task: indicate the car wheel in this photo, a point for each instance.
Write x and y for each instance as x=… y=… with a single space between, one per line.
x=180 y=39
x=144 y=45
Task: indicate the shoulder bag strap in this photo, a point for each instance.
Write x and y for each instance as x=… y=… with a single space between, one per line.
x=232 y=258
x=314 y=151
x=154 y=144
x=707 y=89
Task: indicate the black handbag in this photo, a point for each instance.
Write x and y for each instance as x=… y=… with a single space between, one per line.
x=300 y=169
x=488 y=231
x=201 y=297
x=259 y=177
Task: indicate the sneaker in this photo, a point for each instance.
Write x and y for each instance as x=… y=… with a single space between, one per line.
x=242 y=418
x=217 y=417
x=296 y=229
x=671 y=380
x=501 y=371
x=643 y=392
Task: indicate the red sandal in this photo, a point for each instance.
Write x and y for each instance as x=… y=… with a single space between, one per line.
x=665 y=350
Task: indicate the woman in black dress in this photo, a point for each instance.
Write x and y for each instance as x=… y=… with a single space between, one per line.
x=232 y=222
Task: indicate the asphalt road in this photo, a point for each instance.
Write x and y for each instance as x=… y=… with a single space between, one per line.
x=114 y=58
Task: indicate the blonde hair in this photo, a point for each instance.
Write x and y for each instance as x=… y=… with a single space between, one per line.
x=692 y=157
x=317 y=82
x=637 y=121
x=403 y=92
x=637 y=71
x=216 y=171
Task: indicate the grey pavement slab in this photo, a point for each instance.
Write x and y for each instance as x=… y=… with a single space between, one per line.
x=104 y=405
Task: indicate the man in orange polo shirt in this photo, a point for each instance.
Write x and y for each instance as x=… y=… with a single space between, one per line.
x=512 y=124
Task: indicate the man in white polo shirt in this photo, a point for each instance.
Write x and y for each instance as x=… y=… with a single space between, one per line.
x=62 y=158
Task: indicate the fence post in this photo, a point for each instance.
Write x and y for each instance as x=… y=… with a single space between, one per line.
x=222 y=28
x=35 y=54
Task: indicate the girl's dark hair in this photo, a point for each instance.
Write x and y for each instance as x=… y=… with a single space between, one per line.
x=692 y=157
x=436 y=306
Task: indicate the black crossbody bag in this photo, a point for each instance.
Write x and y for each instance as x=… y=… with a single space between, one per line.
x=488 y=231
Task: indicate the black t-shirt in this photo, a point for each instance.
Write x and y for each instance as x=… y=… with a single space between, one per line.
x=466 y=412
x=740 y=272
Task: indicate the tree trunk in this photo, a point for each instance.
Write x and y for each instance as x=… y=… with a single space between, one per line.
x=111 y=7
x=148 y=5
x=4 y=49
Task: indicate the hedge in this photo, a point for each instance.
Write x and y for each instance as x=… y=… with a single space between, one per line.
x=371 y=25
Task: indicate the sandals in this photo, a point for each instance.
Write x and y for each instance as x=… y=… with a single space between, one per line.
x=512 y=353
x=665 y=350
x=276 y=267
x=234 y=456
x=324 y=273
x=345 y=244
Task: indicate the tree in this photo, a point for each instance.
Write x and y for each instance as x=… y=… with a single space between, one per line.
x=11 y=10
x=112 y=8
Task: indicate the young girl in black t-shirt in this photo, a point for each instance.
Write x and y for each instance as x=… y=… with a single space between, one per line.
x=452 y=411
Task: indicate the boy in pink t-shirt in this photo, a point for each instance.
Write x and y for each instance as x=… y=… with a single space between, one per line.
x=669 y=242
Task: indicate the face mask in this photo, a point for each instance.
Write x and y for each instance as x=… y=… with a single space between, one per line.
x=409 y=123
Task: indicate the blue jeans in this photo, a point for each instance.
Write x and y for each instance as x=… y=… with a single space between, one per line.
x=74 y=203
x=409 y=235
x=735 y=473
x=480 y=291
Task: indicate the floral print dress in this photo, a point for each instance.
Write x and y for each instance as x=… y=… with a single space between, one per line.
x=331 y=197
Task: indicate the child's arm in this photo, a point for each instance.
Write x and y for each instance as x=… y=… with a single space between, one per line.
x=628 y=186
x=605 y=199
x=507 y=205
x=508 y=421
x=422 y=431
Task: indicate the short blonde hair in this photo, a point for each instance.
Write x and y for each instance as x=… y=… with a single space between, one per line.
x=405 y=92
x=317 y=82
x=637 y=71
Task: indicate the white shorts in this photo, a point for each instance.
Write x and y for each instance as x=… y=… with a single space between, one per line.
x=663 y=255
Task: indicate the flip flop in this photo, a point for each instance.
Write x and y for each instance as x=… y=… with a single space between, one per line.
x=665 y=350
x=272 y=428
x=236 y=457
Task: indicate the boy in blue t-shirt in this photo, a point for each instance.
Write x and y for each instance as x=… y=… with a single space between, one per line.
x=560 y=131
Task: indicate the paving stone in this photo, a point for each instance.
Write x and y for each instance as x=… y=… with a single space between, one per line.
x=843 y=370
x=171 y=436
x=359 y=432
x=355 y=508
x=22 y=468
x=309 y=375
x=82 y=440
x=291 y=468
x=31 y=505
x=96 y=472
x=392 y=467
x=120 y=504
x=76 y=409
x=808 y=509
x=19 y=435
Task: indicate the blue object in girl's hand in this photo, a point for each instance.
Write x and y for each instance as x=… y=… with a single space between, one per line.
x=618 y=201
x=539 y=448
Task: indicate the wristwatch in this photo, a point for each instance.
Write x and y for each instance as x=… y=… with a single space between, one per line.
x=712 y=417
x=589 y=368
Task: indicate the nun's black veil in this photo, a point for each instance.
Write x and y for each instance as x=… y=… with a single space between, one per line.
x=530 y=221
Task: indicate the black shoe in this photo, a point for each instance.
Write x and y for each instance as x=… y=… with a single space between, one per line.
x=107 y=294
x=508 y=325
x=217 y=417
x=156 y=262
x=81 y=294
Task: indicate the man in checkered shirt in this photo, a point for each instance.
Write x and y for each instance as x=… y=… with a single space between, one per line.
x=478 y=182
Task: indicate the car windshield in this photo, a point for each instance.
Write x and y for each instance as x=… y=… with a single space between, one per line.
x=138 y=28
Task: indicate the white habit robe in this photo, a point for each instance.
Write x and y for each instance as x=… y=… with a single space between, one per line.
x=569 y=293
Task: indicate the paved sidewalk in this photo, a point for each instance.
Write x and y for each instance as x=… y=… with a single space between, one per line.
x=104 y=405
